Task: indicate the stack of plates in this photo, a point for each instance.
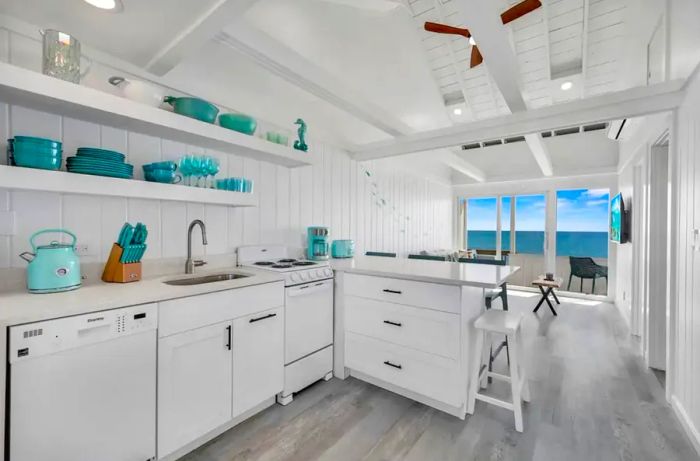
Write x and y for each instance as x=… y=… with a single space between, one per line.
x=100 y=162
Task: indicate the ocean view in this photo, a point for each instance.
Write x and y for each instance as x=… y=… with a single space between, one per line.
x=592 y=244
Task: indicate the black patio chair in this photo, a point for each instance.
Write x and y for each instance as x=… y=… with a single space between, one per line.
x=586 y=268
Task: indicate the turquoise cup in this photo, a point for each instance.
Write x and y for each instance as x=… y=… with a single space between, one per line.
x=221 y=184
x=234 y=184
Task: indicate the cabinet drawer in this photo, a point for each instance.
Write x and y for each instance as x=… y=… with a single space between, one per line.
x=432 y=376
x=184 y=314
x=421 y=294
x=422 y=329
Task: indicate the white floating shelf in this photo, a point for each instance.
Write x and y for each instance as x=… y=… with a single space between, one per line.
x=37 y=91
x=12 y=177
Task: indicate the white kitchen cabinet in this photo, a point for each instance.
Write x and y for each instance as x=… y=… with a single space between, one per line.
x=258 y=358
x=195 y=377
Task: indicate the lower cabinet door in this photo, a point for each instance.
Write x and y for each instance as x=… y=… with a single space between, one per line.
x=258 y=358
x=194 y=384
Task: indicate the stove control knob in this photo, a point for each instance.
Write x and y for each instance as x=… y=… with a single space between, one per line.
x=328 y=272
x=303 y=276
x=294 y=277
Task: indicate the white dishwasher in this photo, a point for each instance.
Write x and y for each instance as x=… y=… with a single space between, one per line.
x=83 y=388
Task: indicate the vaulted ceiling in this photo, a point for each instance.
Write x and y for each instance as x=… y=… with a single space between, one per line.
x=363 y=71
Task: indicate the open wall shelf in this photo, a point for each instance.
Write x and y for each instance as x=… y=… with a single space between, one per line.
x=37 y=91
x=17 y=178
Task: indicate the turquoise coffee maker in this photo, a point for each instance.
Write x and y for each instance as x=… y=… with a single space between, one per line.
x=54 y=267
x=317 y=248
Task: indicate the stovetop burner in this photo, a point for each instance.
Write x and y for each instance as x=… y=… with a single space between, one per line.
x=281 y=266
x=285 y=261
x=264 y=263
x=303 y=263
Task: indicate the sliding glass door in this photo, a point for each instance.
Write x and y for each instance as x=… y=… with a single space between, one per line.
x=582 y=239
x=529 y=228
x=570 y=238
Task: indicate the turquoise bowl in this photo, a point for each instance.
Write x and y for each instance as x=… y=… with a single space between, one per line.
x=168 y=165
x=194 y=108
x=238 y=122
x=162 y=176
x=31 y=148
x=50 y=143
x=41 y=161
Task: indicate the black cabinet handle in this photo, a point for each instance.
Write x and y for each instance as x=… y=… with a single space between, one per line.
x=263 y=318
x=228 y=332
x=393 y=365
x=396 y=292
x=396 y=324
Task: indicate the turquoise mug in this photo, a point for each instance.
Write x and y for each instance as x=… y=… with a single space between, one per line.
x=234 y=184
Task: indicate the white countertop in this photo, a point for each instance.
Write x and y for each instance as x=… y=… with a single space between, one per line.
x=23 y=307
x=451 y=273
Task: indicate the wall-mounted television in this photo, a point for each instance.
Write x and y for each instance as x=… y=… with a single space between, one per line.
x=618 y=220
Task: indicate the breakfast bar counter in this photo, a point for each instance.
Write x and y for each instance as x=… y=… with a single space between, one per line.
x=407 y=325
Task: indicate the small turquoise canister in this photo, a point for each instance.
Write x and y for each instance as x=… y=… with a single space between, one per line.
x=343 y=249
x=54 y=267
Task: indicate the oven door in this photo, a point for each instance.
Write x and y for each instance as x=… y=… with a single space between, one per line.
x=308 y=319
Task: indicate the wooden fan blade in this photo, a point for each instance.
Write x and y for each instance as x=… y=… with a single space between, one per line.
x=521 y=9
x=445 y=29
x=476 y=58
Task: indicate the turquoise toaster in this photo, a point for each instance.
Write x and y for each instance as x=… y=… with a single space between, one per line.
x=343 y=248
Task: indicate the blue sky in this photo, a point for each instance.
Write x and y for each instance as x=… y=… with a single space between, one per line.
x=581 y=210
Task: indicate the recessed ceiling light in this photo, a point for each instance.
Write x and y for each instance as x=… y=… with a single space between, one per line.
x=566 y=86
x=472 y=42
x=103 y=4
x=457 y=111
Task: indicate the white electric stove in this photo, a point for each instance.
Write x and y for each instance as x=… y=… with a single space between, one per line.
x=308 y=320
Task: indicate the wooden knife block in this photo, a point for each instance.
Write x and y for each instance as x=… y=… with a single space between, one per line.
x=118 y=272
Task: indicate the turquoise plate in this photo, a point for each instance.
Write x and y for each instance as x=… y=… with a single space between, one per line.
x=92 y=172
x=102 y=151
x=122 y=169
x=96 y=162
x=97 y=155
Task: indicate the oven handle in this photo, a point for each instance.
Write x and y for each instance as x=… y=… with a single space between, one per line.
x=309 y=288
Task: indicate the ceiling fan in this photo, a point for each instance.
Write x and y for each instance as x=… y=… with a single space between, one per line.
x=511 y=14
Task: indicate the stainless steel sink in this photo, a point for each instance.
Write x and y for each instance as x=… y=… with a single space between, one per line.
x=206 y=279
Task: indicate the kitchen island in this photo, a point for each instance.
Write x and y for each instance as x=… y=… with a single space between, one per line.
x=406 y=325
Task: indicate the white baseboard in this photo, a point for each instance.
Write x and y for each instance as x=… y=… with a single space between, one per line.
x=626 y=313
x=686 y=422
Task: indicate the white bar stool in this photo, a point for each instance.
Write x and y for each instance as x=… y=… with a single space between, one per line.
x=498 y=322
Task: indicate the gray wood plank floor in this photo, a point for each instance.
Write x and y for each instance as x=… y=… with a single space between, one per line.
x=592 y=399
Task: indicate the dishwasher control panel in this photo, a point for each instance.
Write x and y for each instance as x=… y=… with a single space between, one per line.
x=52 y=336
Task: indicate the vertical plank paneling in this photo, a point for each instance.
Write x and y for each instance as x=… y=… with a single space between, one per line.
x=251 y=216
x=318 y=188
x=268 y=199
x=283 y=203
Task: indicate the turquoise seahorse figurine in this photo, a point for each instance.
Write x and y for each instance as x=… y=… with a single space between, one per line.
x=300 y=144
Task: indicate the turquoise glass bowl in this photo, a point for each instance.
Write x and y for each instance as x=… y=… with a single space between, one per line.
x=238 y=122
x=194 y=108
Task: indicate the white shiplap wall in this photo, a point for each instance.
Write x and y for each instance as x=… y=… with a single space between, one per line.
x=685 y=295
x=335 y=192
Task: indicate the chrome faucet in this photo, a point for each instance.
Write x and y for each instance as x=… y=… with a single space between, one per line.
x=190 y=264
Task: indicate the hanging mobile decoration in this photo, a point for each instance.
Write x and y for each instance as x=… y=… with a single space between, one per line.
x=381 y=202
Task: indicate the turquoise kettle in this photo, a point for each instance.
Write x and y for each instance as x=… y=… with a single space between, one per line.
x=54 y=267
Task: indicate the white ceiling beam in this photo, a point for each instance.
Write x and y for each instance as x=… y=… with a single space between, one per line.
x=286 y=63
x=484 y=22
x=203 y=28
x=628 y=103
x=540 y=152
x=460 y=165
x=307 y=75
